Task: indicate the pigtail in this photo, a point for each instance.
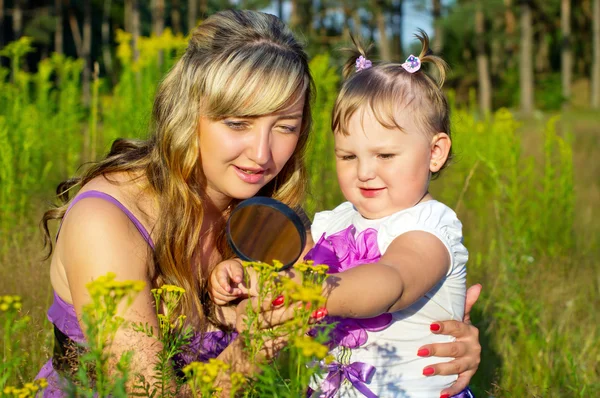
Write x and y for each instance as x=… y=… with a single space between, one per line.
x=427 y=55
x=354 y=53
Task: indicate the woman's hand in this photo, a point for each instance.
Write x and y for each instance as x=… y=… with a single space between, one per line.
x=466 y=350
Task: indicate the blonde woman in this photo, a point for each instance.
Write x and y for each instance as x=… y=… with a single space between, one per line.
x=154 y=210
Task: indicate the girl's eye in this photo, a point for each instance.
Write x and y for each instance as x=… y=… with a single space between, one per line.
x=235 y=125
x=386 y=155
x=348 y=157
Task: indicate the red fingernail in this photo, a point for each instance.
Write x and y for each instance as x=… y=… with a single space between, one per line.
x=423 y=352
x=278 y=301
x=320 y=313
x=434 y=327
x=428 y=371
x=445 y=396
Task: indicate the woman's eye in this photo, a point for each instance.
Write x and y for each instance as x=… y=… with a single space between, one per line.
x=235 y=125
x=386 y=155
x=348 y=157
x=288 y=129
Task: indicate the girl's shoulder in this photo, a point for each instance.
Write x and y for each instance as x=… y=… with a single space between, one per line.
x=331 y=221
x=431 y=216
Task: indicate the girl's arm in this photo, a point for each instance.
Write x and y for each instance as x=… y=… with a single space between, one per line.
x=412 y=265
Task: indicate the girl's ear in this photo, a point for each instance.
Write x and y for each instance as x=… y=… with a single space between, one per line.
x=440 y=148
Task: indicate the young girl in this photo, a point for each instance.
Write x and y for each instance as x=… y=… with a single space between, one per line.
x=396 y=254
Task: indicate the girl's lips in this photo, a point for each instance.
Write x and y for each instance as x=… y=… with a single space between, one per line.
x=371 y=192
x=250 y=176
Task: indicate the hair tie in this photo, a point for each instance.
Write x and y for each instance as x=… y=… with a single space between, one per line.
x=362 y=63
x=412 y=64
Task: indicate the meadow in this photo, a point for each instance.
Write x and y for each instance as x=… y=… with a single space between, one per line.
x=526 y=191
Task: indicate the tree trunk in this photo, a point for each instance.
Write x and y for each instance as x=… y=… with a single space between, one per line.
x=17 y=18
x=87 y=50
x=542 y=56
x=511 y=26
x=1 y=24
x=566 y=56
x=280 y=9
x=106 y=53
x=595 y=95
x=398 y=24
x=525 y=60
x=192 y=14
x=176 y=16
x=483 y=71
x=135 y=28
x=379 y=14
x=158 y=16
x=128 y=15
x=59 y=32
x=203 y=9
x=438 y=38
x=158 y=23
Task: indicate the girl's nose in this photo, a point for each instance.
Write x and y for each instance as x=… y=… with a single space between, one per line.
x=365 y=171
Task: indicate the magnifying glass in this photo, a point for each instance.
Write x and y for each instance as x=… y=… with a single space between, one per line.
x=264 y=229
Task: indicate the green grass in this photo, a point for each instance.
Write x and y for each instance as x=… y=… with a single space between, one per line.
x=527 y=194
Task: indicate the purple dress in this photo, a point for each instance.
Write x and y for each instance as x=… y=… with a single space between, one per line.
x=62 y=315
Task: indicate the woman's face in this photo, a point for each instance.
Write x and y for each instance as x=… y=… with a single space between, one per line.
x=240 y=155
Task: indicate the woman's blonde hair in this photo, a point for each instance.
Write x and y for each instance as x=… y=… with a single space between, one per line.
x=237 y=63
x=387 y=89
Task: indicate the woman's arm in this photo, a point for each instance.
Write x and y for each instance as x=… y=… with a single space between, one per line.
x=96 y=238
x=466 y=349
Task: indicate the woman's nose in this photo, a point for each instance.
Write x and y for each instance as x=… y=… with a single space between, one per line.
x=260 y=147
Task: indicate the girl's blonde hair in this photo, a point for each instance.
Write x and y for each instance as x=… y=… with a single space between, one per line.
x=237 y=63
x=388 y=88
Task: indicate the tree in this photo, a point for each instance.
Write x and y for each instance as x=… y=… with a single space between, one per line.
x=175 y=16
x=135 y=28
x=106 y=53
x=192 y=14
x=595 y=97
x=1 y=23
x=17 y=18
x=158 y=23
x=438 y=36
x=526 y=59
x=59 y=32
x=378 y=9
x=483 y=70
x=566 y=59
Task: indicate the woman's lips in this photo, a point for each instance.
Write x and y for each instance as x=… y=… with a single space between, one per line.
x=249 y=175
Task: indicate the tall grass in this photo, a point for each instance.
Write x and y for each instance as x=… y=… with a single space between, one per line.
x=527 y=215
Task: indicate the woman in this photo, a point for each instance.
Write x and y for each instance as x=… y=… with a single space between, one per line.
x=154 y=210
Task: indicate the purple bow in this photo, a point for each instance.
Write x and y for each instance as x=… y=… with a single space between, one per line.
x=343 y=250
x=358 y=373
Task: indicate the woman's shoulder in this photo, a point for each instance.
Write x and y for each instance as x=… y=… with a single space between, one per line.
x=330 y=221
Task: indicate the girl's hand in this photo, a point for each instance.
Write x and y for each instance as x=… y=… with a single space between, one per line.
x=225 y=283
x=466 y=349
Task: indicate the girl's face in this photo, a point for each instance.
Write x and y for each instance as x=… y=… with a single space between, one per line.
x=240 y=155
x=382 y=171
